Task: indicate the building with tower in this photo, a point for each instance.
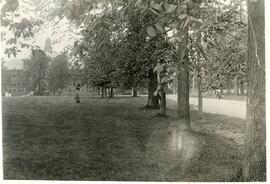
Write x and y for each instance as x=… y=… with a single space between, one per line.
x=48 y=47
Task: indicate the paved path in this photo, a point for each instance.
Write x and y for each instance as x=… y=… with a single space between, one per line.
x=212 y=105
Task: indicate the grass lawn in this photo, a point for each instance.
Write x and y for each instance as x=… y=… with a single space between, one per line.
x=115 y=139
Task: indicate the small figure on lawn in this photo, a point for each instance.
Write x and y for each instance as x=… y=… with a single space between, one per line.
x=218 y=95
x=77 y=97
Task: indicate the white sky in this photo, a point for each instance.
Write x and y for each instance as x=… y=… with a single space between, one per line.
x=64 y=36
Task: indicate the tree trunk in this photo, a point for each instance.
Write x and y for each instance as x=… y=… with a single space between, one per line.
x=105 y=94
x=162 y=102
x=111 y=92
x=39 y=88
x=228 y=88
x=241 y=88
x=98 y=90
x=183 y=82
x=134 y=92
x=193 y=90
x=152 y=101
x=200 y=99
x=221 y=90
x=236 y=86
x=102 y=92
x=255 y=135
x=193 y=82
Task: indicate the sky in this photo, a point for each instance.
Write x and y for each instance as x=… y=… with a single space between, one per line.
x=63 y=38
x=40 y=38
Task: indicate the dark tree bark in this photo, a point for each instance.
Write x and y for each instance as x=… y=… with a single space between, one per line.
x=228 y=88
x=242 y=88
x=236 y=86
x=111 y=92
x=200 y=99
x=134 y=92
x=106 y=92
x=102 y=92
x=221 y=90
x=255 y=136
x=162 y=95
x=152 y=101
x=98 y=90
x=183 y=82
x=193 y=82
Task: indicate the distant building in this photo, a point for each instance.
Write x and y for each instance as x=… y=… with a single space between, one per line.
x=13 y=77
x=48 y=47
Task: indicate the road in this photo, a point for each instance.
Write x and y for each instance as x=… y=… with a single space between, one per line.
x=225 y=107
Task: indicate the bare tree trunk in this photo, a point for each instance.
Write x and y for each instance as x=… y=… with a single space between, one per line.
x=183 y=82
x=106 y=92
x=134 y=92
x=152 y=101
x=228 y=88
x=241 y=88
x=162 y=102
x=111 y=92
x=236 y=86
x=102 y=92
x=200 y=99
x=193 y=82
x=98 y=90
x=221 y=90
x=255 y=136
x=193 y=90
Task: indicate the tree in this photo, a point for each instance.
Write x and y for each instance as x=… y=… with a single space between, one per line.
x=59 y=73
x=37 y=71
x=16 y=27
x=163 y=78
x=255 y=136
x=96 y=50
x=177 y=17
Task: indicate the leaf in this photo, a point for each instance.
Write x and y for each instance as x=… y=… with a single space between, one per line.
x=138 y=2
x=151 y=31
x=159 y=27
x=155 y=93
x=204 y=45
x=77 y=2
x=186 y=23
x=174 y=25
x=166 y=5
x=155 y=11
x=152 y=3
x=67 y=13
x=193 y=19
x=101 y=14
x=181 y=9
x=75 y=51
x=170 y=7
x=24 y=45
x=165 y=79
x=158 y=68
x=158 y=6
x=182 y=16
x=163 y=64
x=11 y=41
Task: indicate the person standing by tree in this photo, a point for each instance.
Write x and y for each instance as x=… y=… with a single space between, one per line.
x=77 y=93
